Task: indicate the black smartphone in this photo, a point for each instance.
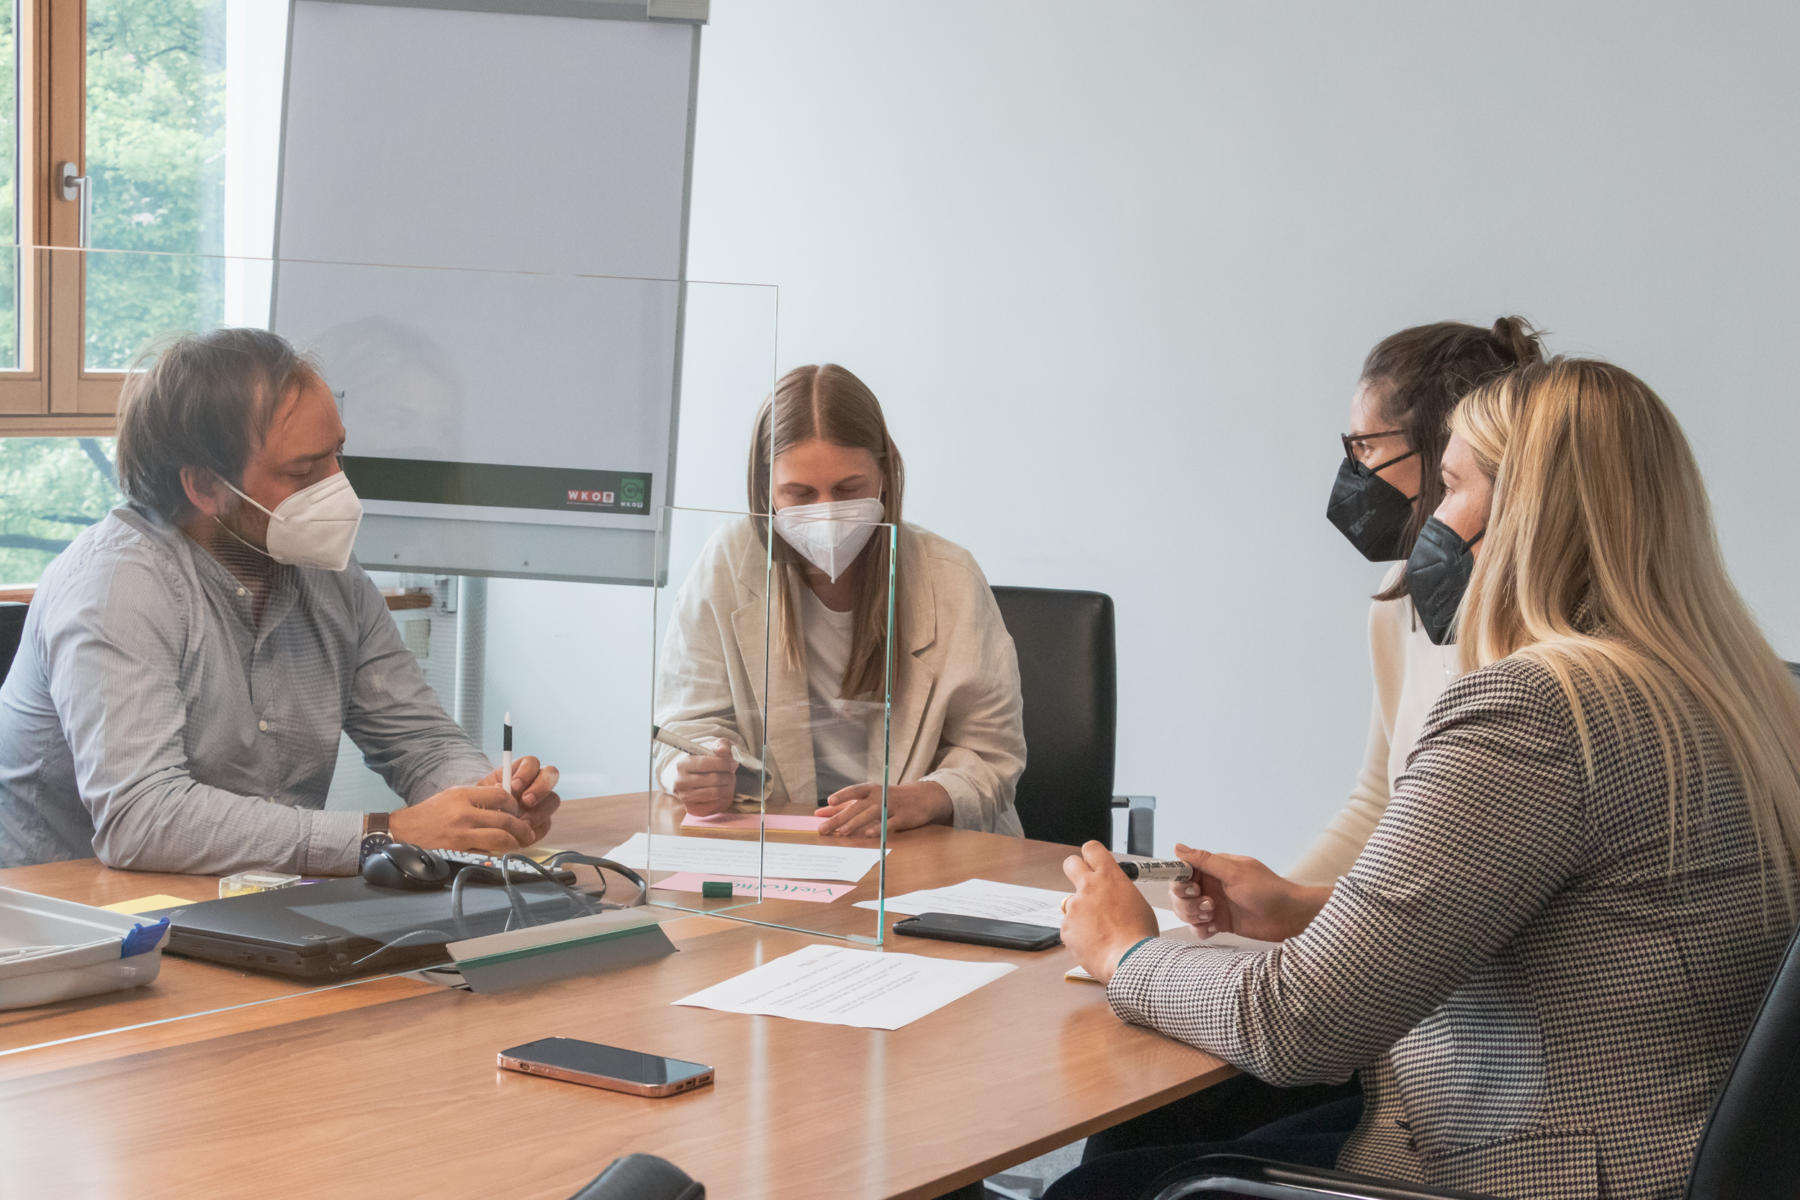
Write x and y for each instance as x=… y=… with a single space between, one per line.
x=629 y=1071
x=979 y=931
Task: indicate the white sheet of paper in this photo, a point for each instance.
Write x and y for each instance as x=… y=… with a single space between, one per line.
x=1225 y=941
x=834 y=985
x=720 y=856
x=998 y=902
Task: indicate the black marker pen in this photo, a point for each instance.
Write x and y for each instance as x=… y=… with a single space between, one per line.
x=506 y=754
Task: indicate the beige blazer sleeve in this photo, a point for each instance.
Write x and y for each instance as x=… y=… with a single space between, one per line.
x=974 y=732
x=703 y=691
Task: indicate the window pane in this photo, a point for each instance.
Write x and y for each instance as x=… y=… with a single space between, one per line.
x=9 y=185
x=156 y=124
x=50 y=490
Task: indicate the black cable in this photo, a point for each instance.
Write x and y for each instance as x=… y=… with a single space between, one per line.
x=582 y=907
x=604 y=864
x=456 y=904
x=513 y=902
x=574 y=897
x=485 y=875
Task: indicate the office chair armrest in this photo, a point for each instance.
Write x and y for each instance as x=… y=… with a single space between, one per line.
x=1241 y=1175
x=1140 y=823
x=641 y=1177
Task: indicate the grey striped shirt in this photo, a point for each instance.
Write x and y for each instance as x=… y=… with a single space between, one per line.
x=151 y=719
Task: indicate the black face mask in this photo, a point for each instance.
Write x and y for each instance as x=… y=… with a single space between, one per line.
x=1437 y=575
x=1369 y=510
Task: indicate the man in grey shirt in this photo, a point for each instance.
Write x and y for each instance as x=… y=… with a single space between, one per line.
x=188 y=663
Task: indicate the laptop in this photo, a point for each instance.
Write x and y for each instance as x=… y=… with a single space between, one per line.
x=334 y=929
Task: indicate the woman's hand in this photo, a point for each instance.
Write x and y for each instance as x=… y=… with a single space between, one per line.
x=1234 y=894
x=706 y=785
x=855 y=811
x=1106 y=916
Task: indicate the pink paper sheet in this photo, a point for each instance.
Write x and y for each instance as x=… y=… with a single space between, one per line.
x=752 y=821
x=772 y=889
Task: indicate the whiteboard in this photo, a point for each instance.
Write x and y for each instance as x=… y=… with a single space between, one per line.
x=480 y=234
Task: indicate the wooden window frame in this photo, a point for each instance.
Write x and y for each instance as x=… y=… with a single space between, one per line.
x=24 y=396
x=53 y=394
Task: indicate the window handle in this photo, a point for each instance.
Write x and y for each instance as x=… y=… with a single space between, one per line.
x=77 y=187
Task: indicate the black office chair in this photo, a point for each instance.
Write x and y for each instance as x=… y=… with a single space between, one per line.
x=1068 y=671
x=1747 y=1151
x=641 y=1177
x=12 y=627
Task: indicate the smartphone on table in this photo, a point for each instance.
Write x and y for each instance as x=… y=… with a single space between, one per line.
x=979 y=931
x=630 y=1071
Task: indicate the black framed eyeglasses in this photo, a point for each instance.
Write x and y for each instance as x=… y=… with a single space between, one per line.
x=1353 y=440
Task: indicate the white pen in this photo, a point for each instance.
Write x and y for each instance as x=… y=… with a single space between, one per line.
x=506 y=755
x=689 y=746
x=1160 y=868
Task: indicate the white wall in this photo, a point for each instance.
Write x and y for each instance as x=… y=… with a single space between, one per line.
x=1112 y=269
x=572 y=662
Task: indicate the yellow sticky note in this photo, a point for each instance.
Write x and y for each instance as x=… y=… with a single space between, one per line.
x=146 y=904
x=539 y=854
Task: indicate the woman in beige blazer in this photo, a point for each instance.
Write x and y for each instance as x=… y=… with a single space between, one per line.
x=810 y=708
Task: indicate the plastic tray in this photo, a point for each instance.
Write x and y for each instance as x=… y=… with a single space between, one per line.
x=100 y=951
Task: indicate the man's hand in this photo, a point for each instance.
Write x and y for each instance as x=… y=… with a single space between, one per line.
x=855 y=811
x=1106 y=916
x=465 y=818
x=534 y=785
x=1234 y=894
x=706 y=785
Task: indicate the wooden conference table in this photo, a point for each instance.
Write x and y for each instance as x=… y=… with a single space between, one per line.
x=388 y=1087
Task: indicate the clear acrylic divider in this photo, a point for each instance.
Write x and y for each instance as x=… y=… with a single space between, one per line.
x=707 y=778
x=787 y=670
x=514 y=438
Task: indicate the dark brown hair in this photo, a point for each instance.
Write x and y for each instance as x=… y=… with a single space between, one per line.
x=202 y=400
x=828 y=402
x=1425 y=370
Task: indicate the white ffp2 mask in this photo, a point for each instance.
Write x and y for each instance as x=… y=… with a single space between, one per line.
x=832 y=534
x=316 y=526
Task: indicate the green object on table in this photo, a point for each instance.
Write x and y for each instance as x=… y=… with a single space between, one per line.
x=715 y=889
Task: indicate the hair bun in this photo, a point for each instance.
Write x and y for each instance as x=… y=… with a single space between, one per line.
x=1518 y=340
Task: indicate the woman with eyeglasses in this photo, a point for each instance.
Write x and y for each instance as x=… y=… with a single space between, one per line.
x=1386 y=489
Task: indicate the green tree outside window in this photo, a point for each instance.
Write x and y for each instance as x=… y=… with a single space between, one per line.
x=156 y=154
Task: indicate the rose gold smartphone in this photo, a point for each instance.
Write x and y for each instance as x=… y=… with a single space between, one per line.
x=608 y=1067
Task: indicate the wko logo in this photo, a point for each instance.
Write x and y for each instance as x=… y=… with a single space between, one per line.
x=585 y=496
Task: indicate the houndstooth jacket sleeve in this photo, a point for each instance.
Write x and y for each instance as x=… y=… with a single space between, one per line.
x=1486 y=826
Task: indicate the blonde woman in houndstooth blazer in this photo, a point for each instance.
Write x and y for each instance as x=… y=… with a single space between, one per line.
x=1557 y=936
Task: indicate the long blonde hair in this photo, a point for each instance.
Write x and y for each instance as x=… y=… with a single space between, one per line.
x=829 y=402
x=1601 y=563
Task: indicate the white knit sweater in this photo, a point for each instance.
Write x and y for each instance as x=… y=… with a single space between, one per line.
x=1410 y=674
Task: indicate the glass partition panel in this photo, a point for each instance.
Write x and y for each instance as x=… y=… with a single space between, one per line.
x=773 y=699
x=181 y=130
x=513 y=438
x=707 y=778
